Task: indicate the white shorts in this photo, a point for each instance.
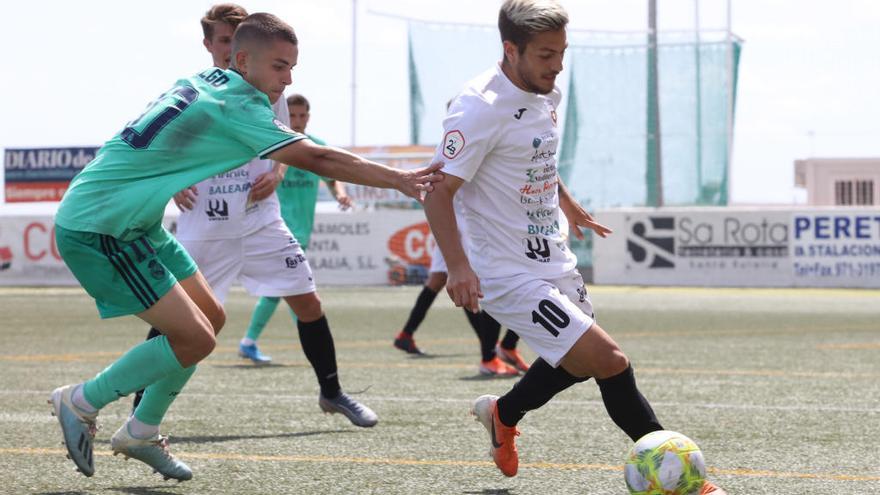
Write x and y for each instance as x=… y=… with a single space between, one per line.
x=550 y=315
x=269 y=262
x=438 y=264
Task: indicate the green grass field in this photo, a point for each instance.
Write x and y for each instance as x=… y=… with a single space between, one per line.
x=780 y=388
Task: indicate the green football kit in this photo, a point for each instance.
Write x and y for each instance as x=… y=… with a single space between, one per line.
x=109 y=220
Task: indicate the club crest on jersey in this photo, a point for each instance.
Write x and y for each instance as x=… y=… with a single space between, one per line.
x=453 y=143
x=284 y=128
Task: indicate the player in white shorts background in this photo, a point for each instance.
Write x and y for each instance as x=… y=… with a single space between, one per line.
x=232 y=227
x=499 y=147
x=496 y=358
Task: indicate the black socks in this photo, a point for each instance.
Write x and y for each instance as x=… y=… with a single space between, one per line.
x=627 y=406
x=533 y=390
x=423 y=303
x=317 y=344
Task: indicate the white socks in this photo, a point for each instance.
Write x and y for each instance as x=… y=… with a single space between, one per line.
x=247 y=341
x=141 y=430
x=79 y=400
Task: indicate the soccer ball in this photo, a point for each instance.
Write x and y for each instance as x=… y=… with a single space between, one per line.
x=664 y=463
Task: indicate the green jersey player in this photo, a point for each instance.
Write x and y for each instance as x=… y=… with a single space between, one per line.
x=109 y=232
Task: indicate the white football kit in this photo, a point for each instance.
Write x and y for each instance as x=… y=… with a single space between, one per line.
x=232 y=239
x=502 y=141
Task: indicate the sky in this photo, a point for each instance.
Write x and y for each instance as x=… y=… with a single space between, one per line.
x=76 y=72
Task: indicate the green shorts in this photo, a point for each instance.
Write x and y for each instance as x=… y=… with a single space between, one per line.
x=125 y=278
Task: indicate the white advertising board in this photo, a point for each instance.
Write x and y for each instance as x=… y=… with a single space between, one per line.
x=740 y=247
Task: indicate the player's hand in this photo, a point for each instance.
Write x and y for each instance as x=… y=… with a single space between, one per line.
x=417 y=181
x=345 y=201
x=578 y=217
x=186 y=199
x=463 y=288
x=264 y=185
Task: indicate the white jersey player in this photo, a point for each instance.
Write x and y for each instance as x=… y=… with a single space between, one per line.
x=232 y=227
x=499 y=147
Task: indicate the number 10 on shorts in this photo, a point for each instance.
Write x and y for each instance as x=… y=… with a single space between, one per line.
x=551 y=317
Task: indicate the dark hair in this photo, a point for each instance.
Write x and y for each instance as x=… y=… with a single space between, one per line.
x=298 y=99
x=520 y=20
x=262 y=28
x=227 y=13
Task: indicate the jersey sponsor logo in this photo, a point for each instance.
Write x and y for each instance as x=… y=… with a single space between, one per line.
x=655 y=246
x=547 y=230
x=519 y=113
x=537 y=248
x=453 y=143
x=294 y=261
x=229 y=188
x=283 y=126
x=217 y=209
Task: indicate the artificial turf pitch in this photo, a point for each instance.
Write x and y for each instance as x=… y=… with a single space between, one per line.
x=780 y=388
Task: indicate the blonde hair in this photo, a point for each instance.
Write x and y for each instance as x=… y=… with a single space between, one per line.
x=226 y=13
x=520 y=20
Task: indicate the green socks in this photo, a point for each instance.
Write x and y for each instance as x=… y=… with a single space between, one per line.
x=159 y=396
x=262 y=313
x=144 y=364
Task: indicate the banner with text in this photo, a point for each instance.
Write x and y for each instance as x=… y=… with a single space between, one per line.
x=740 y=247
x=42 y=174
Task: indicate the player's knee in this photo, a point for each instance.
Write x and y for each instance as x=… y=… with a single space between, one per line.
x=617 y=363
x=205 y=345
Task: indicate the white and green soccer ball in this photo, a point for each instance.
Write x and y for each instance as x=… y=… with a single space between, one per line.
x=664 y=463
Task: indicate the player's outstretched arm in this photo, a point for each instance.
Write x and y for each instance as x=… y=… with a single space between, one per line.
x=462 y=285
x=341 y=165
x=577 y=216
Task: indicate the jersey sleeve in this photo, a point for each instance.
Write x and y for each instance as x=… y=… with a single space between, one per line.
x=256 y=126
x=468 y=136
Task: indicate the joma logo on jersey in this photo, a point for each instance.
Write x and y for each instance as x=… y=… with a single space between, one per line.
x=655 y=246
x=216 y=77
x=537 y=248
x=217 y=209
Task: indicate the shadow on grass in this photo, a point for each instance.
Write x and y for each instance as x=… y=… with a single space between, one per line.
x=143 y=490
x=232 y=438
x=481 y=378
x=491 y=491
x=251 y=366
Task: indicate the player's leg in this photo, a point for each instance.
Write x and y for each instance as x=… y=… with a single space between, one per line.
x=139 y=436
x=265 y=251
x=128 y=278
x=318 y=346
x=433 y=285
x=488 y=330
x=551 y=323
x=507 y=351
x=263 y=311
x=219 y=262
